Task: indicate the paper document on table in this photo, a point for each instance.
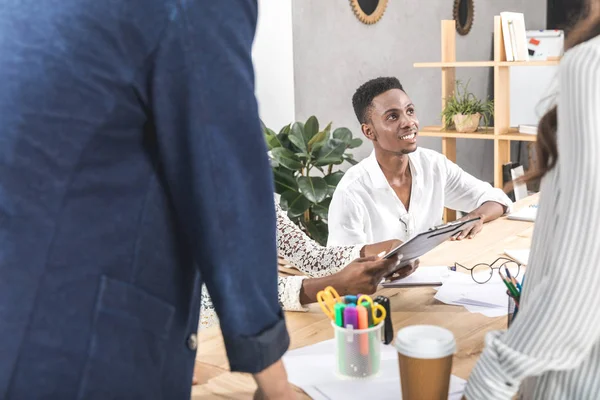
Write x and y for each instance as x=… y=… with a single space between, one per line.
x=489 y=299
x=524 y=214
x=519 y=255
x=423 y=276
x=312 y=368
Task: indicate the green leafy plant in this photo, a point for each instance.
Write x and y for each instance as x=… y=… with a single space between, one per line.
x=465 y=103
x=303 y=158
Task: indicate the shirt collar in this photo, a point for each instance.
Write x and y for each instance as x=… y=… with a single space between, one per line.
x=376 y=174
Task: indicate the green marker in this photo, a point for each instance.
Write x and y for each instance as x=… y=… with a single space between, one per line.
x=338 y=310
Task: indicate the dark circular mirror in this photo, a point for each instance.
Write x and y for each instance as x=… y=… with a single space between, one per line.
x=369 y=11
x=464 y=12
x=368 y=6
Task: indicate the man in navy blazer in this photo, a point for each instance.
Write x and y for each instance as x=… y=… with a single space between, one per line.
x=132 y=169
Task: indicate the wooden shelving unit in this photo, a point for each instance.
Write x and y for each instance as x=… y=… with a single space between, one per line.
x=482 y=133
x=501 y=133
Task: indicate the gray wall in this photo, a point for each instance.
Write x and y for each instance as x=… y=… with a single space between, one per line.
x=334 y=53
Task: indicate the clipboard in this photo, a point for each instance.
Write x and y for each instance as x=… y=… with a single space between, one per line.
x=428 y=240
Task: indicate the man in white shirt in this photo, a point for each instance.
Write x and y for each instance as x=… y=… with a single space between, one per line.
x=400 y=190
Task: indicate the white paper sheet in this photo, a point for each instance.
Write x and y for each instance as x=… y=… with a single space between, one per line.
x=312 y=368
x=489 y=299
x=527 y=214
x=423 y=276
x=519 y=255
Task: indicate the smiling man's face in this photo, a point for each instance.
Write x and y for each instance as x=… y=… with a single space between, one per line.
x=392 y=123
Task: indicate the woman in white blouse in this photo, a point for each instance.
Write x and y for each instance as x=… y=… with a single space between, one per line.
x=323 y=266
x=552 y=349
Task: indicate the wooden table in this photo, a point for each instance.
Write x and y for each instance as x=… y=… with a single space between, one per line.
x=409 y=306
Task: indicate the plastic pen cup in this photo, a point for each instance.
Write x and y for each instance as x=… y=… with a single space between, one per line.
x=351 y=360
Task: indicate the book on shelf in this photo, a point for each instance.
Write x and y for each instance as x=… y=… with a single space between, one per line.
x=528 y=129
x=515 y=38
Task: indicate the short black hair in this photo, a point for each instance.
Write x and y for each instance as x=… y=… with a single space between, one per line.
x=364 y=95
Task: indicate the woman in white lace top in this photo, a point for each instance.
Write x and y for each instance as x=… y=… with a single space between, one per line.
x=323 y=266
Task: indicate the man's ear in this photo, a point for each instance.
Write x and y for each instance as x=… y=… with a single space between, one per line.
x=368 y=132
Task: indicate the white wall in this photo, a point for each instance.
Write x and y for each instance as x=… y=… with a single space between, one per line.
x=273 y=58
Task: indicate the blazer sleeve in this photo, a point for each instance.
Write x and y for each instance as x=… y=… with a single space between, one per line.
x=215 y=164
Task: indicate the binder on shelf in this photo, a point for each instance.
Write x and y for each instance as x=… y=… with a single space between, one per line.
x=515 y=38
x=507 y=177
x=528 y=129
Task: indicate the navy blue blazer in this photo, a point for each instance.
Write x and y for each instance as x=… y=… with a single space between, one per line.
x=132 y=169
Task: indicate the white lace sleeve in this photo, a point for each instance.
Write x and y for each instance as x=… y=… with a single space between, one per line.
x=306 y=254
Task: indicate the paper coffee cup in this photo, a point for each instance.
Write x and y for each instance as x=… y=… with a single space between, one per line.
x=425 y=361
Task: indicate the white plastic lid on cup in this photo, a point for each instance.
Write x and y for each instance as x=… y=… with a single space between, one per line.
x=425 y=341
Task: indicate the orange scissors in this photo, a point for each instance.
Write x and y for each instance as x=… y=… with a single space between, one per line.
x=327 y=299
x=374 y=308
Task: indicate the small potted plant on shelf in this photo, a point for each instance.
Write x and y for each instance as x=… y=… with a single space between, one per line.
x=303 y=157
x=463 y=111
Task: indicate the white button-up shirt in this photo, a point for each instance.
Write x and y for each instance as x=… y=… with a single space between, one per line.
x=365 y=208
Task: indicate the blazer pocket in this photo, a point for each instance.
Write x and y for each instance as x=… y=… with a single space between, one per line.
x=127 y=344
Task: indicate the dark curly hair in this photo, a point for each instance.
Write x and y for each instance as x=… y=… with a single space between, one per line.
x=364 y=95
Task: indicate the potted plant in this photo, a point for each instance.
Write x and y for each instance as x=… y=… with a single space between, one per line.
x=463 y=111
x=302 y=158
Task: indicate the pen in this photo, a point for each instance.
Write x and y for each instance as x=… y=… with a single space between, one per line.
x=350 y=299
x=512 y=290
x=512 y=279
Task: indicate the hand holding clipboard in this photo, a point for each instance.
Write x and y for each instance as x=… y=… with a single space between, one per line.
x=427 y=241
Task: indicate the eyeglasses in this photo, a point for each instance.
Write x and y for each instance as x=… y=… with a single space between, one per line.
x=482 y=272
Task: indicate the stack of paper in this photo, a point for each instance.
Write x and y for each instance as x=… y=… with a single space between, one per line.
x=423 y=276
x=312 y=368
x=519 y=255
x=525 y=214
x=489 y=299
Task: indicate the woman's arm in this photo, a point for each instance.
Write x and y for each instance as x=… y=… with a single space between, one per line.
x=306 y=254
x=559 y=321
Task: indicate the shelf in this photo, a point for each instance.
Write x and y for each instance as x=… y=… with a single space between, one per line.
x=482 y=133
x=467 y=64
x=548 y=63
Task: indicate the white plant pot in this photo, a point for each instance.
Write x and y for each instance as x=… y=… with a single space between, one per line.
x=466 y=123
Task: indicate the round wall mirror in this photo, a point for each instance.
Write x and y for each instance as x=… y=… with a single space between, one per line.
x=369 y=11
x=464 y=12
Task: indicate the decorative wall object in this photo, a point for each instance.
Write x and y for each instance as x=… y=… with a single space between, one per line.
x=369 y=11
x=464 y=13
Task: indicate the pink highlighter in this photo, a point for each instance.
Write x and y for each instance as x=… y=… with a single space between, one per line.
x=363 y=323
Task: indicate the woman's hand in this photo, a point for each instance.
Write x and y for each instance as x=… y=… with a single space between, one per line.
x=376 y=248
x=195 y=376
x=363 y=276
x=273 y=384
x=404 y=271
